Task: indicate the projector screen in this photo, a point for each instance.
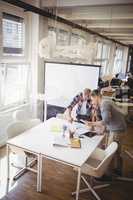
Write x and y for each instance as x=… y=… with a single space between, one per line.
x=64 y=81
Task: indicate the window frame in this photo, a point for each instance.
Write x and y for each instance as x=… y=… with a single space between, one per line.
x=15 y=59
x=26 y=98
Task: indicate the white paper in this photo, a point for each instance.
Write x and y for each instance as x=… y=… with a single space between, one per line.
x=61 y=141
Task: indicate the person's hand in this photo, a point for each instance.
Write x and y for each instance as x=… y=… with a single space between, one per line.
x=70 y=119
x=88 y=123
x=100 y=129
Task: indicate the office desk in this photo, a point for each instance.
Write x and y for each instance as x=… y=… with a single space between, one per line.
x=126 y=108
x=124 y=104
x=39 y=141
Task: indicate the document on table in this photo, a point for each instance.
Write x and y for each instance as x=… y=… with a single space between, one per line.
x=61 y=141
x=81 y=131
x=81 y=128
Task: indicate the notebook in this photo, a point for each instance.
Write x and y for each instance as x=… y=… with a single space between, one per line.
x=75 y=143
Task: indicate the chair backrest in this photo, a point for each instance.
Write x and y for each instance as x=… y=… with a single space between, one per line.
x=32 y=122
x=21 y=115
x=104 y=164
x=18 y=127
x=60 y=115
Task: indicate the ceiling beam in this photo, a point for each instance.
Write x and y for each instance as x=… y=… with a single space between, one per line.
x=109 y=26
x=123 y=38
x=39 y=11
x=128 y=42
x=97 y=13
x=117 y=34
x=106 y=24
x=73 y=3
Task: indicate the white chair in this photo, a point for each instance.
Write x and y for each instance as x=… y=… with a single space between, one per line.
x=15 y=129
x=96 y=166
x=22 y=115
x=60 y=115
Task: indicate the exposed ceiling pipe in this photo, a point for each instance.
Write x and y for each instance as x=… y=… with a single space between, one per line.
x=29 y=7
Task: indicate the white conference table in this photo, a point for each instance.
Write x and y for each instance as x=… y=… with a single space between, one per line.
x=39 y=141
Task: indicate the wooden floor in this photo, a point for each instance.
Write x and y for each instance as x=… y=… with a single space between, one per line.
x=60 y=180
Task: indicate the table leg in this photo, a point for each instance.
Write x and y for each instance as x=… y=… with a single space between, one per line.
x=39 y=173
x=78 y=183
x=8 y=168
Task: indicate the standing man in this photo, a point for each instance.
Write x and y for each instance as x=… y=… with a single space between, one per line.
x=114 y=122
x=84 y=106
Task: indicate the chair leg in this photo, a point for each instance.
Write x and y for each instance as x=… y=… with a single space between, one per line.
x=129 y=154
x=24 y=169
x=95 y=187
x=81 y=191
x=32 y=162
x=122 y=178
x=101 y=186
x=19 y=174
x=91 y=189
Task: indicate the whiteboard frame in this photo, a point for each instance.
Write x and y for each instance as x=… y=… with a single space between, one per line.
x=64 y=63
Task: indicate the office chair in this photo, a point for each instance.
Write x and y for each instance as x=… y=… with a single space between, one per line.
x=15 y=129
x=96 y=166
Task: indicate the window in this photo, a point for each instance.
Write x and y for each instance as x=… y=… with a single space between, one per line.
x=51 y=30
x=13 y=35
x=77 y=40
x=62 y=37
x=99 y=50
x=51 y=33
x=102 y=57
x=118 y=61
x=14 y=84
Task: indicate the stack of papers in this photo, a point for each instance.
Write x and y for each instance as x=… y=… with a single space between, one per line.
x=61 y=141
x=81 y=128
x=81 y=131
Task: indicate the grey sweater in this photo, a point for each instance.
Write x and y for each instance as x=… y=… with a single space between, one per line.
x=112 y=117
